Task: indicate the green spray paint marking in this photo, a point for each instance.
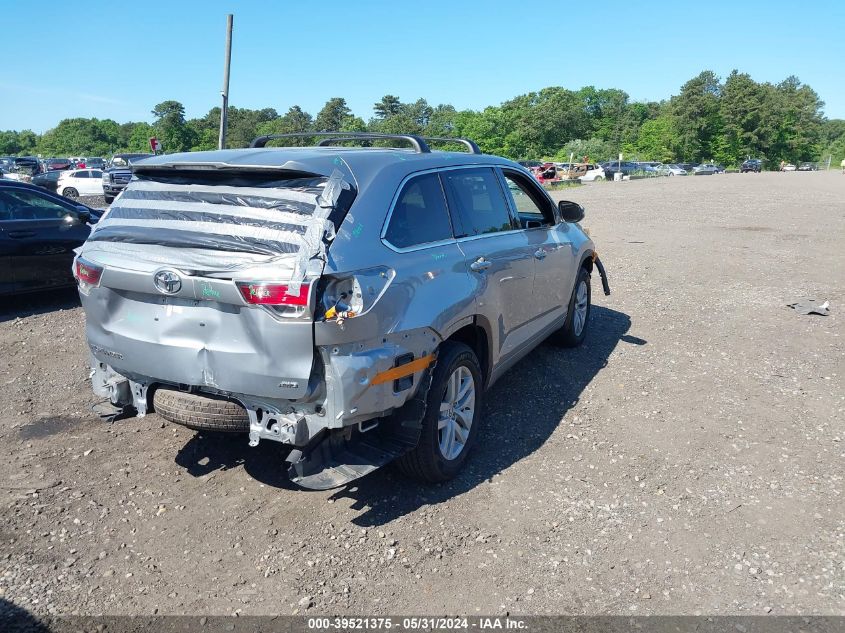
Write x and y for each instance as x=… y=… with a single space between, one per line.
x=357 y=230
x=438 y=256
x=208 y=291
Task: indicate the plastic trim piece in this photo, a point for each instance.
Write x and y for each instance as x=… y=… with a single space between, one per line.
x=403 y=370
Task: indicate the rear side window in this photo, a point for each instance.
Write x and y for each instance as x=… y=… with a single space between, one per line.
x=82 y=174
x=477 y=202
x=420 y=215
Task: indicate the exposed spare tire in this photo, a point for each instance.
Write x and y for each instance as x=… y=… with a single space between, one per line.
x=201 y=412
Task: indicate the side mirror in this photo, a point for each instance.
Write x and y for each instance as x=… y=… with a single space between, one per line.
x=570 y=211
x=80 y=215
x=84 y=214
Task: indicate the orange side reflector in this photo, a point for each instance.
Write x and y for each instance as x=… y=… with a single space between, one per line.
x=403 y=370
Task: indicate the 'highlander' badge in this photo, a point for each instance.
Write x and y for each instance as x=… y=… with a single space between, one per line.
x=167 y=282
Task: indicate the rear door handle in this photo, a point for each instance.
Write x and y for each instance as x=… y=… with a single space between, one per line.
x=540 y=253
x=21 y=234
x=480 y=264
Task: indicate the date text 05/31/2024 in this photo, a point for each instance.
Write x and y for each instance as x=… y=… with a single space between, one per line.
x=418 y=623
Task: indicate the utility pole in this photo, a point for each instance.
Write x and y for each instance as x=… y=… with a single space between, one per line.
x=224 y=113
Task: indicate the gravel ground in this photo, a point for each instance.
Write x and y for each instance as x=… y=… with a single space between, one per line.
x=95 y=202
x=687 y=459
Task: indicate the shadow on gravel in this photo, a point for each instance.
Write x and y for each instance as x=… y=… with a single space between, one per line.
x=15 y=619
x=522 y=410
x=205 y=453
x=26 y=305
x=48 y=426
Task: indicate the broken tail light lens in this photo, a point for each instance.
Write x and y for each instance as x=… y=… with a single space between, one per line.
x=268 y=294
x=87 y=274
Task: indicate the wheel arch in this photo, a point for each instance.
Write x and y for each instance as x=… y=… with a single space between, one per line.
x=477 y=336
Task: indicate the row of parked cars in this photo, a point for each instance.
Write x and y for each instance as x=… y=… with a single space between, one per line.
x=591 y=172
x=547 y=172
x=72 y=177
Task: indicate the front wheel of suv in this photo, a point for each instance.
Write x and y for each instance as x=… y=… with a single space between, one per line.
x=450 y=424
x=578 y=314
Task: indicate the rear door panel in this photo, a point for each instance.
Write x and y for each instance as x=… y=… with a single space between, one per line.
x=499 y=257
x=7 y=260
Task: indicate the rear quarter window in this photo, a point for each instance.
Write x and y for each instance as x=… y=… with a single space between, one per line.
x=419 y=215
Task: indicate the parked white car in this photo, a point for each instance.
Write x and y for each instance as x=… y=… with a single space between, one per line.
x=671 y=170
x=80 y=182
x=594 y=172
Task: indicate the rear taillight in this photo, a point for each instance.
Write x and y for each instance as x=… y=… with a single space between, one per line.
x=87 y=274
x=269 y=294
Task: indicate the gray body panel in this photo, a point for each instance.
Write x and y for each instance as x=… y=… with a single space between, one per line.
x=316 y=371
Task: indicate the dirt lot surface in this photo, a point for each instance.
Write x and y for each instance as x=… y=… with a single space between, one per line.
x=688 y=459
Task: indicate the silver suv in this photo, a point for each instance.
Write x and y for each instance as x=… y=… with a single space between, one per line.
x=352 y=303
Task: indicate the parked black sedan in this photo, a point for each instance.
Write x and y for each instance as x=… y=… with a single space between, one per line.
x=38 y=232
x=49 y=180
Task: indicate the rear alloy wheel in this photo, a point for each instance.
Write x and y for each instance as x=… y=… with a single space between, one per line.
x=70 y=192
x=450 y=424
x=457 y=413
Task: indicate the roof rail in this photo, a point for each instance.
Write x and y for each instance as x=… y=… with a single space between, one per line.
x=470 y=145
x=419 y=145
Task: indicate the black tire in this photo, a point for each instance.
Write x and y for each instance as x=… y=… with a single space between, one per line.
x=201 y=413
x=426 y=462
x=70 y=192
x=108 y=199
x=567 y=336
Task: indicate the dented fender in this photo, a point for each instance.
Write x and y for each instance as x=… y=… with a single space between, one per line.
x=355 y=391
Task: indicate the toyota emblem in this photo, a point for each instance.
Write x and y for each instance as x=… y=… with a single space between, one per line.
x=167 y=282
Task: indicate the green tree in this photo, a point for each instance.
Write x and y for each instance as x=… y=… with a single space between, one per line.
x=388 y=106
x=294 y=120
x=595 y=149
x=696 y=116
x=333 y=115
x=656 y=139
x=80 y=137
x=23 y=142
x=139 y=138
x=171 y=128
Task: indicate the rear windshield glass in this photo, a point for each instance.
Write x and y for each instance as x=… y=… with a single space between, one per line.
x=249 y=213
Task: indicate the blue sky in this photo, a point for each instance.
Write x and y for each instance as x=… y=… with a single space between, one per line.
x=117 y=60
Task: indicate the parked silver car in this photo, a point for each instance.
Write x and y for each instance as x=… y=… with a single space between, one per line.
x=351 y=303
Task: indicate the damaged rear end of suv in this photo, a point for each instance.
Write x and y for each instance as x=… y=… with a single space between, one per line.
x=257 y=291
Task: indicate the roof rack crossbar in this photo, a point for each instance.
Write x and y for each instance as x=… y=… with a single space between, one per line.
x=470 y=145
x=419 y=145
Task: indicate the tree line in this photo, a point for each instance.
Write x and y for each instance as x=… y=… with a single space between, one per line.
x=708 y=120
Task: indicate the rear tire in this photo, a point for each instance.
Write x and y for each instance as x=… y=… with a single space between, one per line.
x=435 y=458
x=201 y=413
x=574 y=329
x=70 y=192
